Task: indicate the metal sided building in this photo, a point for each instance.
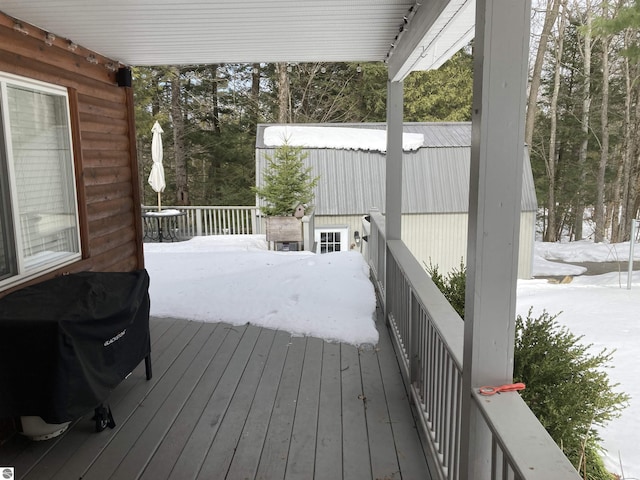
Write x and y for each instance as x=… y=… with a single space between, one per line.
x=351 y=167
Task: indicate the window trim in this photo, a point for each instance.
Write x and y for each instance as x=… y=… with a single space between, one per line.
x=59 y=261
x=344 y=235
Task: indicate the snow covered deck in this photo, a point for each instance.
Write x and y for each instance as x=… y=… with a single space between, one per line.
x=242 y=402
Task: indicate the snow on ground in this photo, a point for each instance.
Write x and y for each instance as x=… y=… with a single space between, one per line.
x=607 y=314
x=236 y=279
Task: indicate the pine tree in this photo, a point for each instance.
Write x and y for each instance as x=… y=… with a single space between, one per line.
x=287 y=182
x=443 y=94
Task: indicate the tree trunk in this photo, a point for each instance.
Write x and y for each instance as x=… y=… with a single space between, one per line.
x=586 y=108
x=254 y=95
x=629 y=151
x=615 y=204
x=635 y=163
x=599 y=214
x=551 y=160
x=284 y=112
x=156 y=94
x=215 y=106
x=549 y=20
x=177 y=118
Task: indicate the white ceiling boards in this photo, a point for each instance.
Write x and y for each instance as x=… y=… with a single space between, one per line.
x=164 y=32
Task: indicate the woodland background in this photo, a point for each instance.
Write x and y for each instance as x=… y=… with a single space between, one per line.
x=582 y=126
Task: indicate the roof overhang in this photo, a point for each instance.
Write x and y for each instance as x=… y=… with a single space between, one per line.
x=439 y=29
x=410 y=35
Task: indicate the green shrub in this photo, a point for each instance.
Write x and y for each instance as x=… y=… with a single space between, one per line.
x=568 y=388
x=452 y=286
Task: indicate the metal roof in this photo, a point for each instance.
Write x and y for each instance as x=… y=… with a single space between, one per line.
x=435 y=177
x=411 y=35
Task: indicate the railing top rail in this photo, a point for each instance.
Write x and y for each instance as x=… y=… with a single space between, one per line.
x=208 y=207
x=442 y=315
x=528 y=451
x=515 y=426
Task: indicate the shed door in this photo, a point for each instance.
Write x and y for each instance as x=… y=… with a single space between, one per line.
x=332 y=239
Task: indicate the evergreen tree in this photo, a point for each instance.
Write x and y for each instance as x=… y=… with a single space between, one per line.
x=441 y=95
x=287 y=182
x=152 y=97
x=221 y=105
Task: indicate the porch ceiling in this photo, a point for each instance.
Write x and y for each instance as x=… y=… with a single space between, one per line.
x=163 y=32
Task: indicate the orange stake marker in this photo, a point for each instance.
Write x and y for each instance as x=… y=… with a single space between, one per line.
x=509 y=387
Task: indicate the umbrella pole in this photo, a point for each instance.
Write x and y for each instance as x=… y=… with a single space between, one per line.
x=159 y=203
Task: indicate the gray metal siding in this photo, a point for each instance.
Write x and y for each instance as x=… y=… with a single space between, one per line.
x=348 y=185
x=529 y=197
x=436 y=180
x=440 y=238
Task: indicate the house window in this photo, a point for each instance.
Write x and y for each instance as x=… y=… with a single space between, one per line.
x=331 y=239
x=39 y=217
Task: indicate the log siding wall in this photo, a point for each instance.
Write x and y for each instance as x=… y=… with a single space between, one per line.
x=103 y=130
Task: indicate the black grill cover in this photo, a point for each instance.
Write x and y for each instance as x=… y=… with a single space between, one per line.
x=66 y=343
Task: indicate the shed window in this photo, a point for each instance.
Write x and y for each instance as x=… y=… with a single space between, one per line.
x=39 y=219
x=331 y=239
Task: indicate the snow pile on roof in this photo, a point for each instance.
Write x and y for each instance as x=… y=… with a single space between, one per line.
x=344 y=138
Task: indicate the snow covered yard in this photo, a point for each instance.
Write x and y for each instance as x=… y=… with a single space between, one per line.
x=607 y=314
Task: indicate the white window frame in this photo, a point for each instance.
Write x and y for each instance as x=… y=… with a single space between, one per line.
x=343 y=230
x=24 y=270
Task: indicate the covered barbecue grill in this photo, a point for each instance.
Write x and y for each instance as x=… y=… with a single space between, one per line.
x=66 y=343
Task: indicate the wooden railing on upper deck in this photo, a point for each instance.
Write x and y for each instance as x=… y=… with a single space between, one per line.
x=429 y=339
x=211 y=220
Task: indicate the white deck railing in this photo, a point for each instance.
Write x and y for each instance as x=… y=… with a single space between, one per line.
x=208 y=220
x=429 y=338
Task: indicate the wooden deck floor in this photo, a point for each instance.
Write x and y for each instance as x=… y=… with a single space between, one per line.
x=229 y=402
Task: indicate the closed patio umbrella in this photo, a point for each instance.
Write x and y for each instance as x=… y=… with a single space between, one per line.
x=156 y=177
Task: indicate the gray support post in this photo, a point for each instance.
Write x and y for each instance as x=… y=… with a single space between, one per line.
x=497 y=143
x=393 y=200
x=393 y=186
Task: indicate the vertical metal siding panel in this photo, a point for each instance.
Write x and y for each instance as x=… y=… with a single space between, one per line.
x=261 y=165
x=527 y=238
x=351 y=182
x=529 y=197
x=436 y=180
x=440 y=239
